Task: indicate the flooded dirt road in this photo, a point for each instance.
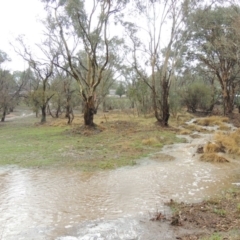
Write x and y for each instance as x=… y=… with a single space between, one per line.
x=66 y=204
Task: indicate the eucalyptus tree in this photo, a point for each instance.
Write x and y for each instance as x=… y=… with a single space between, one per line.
x=64 y=98
x=120 y=89
x=10 y=90
x=43 y=69
x=157 y=50
x=80 y=25
x=10 y=87
x=215 y=42
x=6 y=88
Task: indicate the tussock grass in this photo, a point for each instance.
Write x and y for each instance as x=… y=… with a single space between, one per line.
x=184 y=131
x=150 y=141
x=212 y=148
x=223 y=127
x=213 y=157
x=212 y=121
x=196 y=128
x=230 y=141
x=188 y=129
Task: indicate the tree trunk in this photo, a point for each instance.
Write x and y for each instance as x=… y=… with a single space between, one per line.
x=228 y=92
x=58 y=111
x=155 y=108
x=165 y=103
x=227 y=103
x=104 y=105
x=69 y=114
x=4 y=115
x=89 y=111
x=43 y=119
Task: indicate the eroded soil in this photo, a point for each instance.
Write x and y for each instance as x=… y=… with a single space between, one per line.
x=199 y=220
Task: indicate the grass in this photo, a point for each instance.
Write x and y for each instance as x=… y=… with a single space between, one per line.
x=238 y=207
x=226 y=142
x=230 y=141
x=213 y=157
x=185 y=131
x=215 y=236
x=212 y=121
x=212 y=148
x=220 y=212
x=119 y=140
x=216 y=218
x=189 y=128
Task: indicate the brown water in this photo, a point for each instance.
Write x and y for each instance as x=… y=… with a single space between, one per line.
x=67 y=204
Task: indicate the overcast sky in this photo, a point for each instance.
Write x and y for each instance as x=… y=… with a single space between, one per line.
x=19 y=17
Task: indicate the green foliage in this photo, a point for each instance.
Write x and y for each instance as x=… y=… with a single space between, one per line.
x=9 y=91
x=174 y=103
x=238 y=207
x=215 y=42
x=197 y=96
x=220 y=212
x=139 y=94
x=215 y=236
x=3 y=57
x=120 y=90
x=38 y=98
x=117 y=103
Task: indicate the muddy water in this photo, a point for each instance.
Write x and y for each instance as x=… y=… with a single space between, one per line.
x=67 y=204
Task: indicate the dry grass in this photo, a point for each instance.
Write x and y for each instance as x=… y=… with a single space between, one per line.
x=213 y=157
x=195 y=128
x=184 y=131
x=223 y=127
x=230 y=141
x=150 y=141
x=212 y=148
x=212 y=121
x=180 y=119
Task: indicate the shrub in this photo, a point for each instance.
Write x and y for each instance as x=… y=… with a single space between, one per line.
x=197 y=96
x=174 y=103
x=212 y=148
x=230 y=141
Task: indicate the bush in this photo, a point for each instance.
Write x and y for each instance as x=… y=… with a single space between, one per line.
x=117 y=103
x=174 y=103
x=197 y=96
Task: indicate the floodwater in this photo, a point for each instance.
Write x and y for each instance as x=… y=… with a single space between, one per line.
x=66 y=204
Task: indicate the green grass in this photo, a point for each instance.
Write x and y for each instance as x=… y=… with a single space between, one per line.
x=215 y=236
x=27 y=144
x=220 y=212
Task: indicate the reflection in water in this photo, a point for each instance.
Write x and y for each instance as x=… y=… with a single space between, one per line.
x=46 y=204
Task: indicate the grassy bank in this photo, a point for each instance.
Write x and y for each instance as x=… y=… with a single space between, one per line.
x=120 y=139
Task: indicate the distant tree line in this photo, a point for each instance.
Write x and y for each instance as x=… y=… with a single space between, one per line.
x=193 y=61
